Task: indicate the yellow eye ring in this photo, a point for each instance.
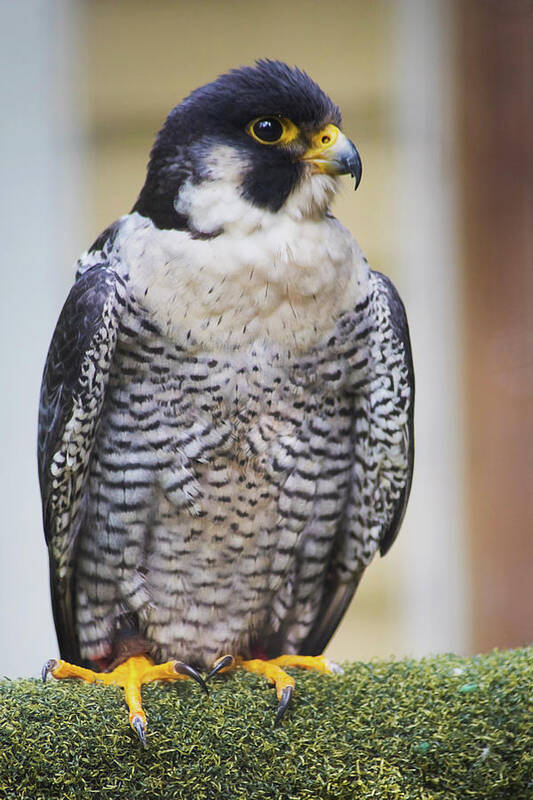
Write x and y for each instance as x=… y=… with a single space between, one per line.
x=272 y=130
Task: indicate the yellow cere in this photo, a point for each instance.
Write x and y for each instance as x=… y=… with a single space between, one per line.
x=322 y=141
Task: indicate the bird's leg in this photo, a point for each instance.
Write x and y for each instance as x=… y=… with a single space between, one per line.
x=272 y=669
x=130 y=675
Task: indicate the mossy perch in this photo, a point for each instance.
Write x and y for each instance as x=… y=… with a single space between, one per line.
x=443 y=728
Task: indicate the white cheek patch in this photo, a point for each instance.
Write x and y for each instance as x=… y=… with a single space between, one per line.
x=213 y=206
x=217 y=203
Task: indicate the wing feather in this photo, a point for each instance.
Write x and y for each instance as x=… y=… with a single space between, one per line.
x=364 y=529
x=72 y=394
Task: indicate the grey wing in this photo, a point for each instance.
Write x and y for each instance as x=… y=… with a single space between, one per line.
x=72 y=394
x=382 y=470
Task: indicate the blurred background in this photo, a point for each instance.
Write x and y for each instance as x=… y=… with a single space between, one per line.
x=437 y=95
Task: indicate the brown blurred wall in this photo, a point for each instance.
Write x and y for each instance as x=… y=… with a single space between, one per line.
x=495 y=135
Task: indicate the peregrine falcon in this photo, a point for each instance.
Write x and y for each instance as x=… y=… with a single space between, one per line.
x=226 y=414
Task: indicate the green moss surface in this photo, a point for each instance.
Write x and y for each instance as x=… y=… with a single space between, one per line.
x=437 y=729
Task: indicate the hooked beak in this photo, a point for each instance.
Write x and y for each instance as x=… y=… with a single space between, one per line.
x=332 y=153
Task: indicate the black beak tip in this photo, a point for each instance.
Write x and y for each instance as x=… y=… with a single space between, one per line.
x=356 y=169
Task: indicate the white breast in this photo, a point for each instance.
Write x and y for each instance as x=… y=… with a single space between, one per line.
x=283 y=277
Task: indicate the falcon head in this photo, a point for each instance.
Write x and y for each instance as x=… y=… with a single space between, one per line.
x=254 y=142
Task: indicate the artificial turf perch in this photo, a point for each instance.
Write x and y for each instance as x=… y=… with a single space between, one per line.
x=445 y=728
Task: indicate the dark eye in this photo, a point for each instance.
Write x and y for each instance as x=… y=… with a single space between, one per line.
x=273 y=130
x=268 y=129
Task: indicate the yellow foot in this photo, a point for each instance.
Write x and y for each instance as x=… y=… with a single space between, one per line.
x=131 y=675
x=274 y=672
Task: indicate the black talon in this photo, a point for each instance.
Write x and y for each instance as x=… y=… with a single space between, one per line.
x=140 y=729
x=50 y=665
x=224 y=662
x=185 y=669
x=286 y=695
